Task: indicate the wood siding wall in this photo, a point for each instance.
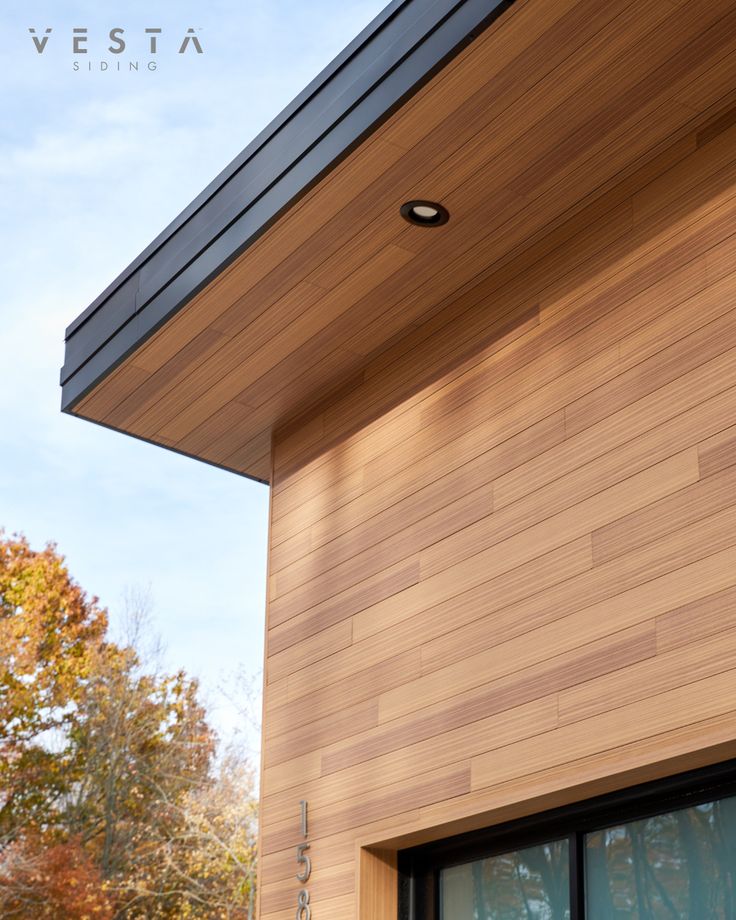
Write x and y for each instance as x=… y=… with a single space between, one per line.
x=503 y=562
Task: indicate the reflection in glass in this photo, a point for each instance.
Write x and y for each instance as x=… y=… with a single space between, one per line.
x=531 y=884
x=679 y=865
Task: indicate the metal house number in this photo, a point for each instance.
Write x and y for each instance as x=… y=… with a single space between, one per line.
x=303 y=907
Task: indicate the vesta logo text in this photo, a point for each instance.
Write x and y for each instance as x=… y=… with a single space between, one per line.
x=150 y=41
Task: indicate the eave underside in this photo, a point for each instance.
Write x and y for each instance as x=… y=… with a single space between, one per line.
x=543 y=114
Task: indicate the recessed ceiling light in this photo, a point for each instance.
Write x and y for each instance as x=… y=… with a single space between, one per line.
x=424 y=213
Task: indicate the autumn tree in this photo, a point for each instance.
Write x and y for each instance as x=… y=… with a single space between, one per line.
x=51 y=882
x=203 y=862
x=144 y=741
x=49 y=630
x=109 y=774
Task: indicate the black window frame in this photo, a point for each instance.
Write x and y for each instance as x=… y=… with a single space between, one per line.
x=419 y=867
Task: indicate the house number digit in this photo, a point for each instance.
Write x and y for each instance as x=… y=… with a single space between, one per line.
x=303 y=860
x=303 y=910
x=303 y=907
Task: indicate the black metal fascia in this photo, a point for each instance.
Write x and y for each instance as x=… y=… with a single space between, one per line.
x=409 y=42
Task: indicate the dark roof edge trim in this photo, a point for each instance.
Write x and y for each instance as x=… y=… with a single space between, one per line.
x=389 y=62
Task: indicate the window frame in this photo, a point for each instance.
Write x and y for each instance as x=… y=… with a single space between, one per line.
x=419 y=867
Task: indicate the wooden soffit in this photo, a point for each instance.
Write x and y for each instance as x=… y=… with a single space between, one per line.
x=295 y=267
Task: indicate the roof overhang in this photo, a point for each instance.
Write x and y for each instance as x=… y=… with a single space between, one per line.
x=294 y=267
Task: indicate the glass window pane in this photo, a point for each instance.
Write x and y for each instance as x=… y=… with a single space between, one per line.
x=530 y=884
x=677 y=865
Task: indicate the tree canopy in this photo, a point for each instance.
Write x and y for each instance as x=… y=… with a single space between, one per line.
x=115 y=801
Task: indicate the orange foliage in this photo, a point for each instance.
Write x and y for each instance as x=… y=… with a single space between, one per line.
x=112 y=802
x=58 y=882
x=48 y=628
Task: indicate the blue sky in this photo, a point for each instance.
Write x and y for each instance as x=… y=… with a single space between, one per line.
x=92 y=166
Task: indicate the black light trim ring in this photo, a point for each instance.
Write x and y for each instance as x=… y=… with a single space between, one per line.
x=409 y=211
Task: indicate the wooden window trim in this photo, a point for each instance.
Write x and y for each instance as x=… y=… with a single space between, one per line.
x=419 y=867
